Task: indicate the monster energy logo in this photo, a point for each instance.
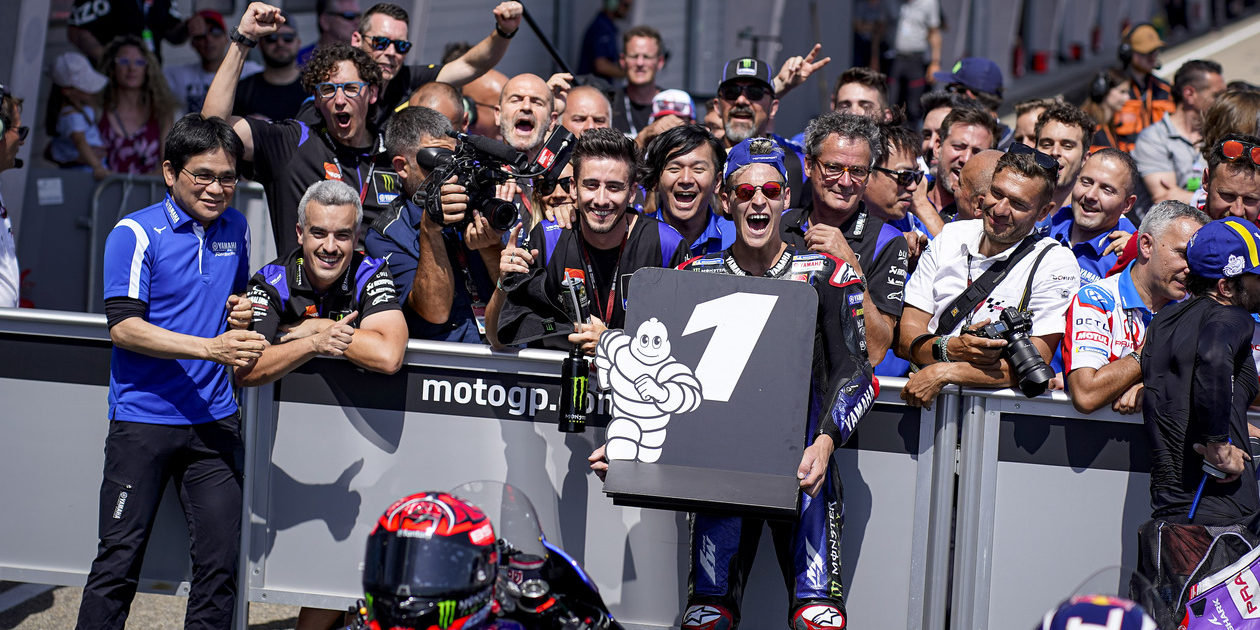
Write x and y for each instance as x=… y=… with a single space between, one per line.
x=745 y=64
x=388 y=180
x=446 y=613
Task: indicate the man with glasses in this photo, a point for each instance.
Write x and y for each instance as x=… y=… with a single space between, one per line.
x=209 y=39
x=276 y=93
x=290 y=155
x=11 y=139
x=172 y=415
x=382 y=33
x=642 y=58
x=1041 y=277
x=747 y=105
x=336 y=20
x=842 y=151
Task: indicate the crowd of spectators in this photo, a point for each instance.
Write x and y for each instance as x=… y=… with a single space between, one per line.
x=1080 y=215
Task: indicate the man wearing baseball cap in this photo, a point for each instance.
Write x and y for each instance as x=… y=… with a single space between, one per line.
x=747 y=104
x=980 y=79
x=1198 y=386
x=1150 y=97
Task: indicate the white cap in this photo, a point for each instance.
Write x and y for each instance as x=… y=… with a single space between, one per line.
x=676 y=102
x=73 y=70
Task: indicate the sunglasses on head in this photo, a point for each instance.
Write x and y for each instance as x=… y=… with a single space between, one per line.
x=382 y=43
x=772 y=190
x=754 y=91
x=547 y=186
x=1046 y=162
x=1234 y=149
x=904 y=178
x=275 y=37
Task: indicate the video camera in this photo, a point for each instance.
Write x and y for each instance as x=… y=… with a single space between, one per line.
x=1013 y=326
x=480 y=164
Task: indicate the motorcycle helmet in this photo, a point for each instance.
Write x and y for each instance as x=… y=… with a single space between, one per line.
x=430 y=565
x=1097 y=611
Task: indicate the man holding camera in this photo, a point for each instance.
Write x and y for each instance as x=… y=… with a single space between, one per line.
x=992 y=270
x=607 y=244
x=1199 y=385
x=444 y=272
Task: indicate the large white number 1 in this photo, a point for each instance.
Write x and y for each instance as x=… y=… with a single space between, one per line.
x=737 y=320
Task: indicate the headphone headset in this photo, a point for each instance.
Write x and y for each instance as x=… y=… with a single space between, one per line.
x=1099 y=87
x=470 y=108
x=1125 y=52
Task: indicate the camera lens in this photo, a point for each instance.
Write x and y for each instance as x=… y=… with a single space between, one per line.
x=1034 y=374
x=501 y=214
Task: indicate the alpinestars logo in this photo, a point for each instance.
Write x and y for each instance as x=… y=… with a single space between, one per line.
x=819 y=617
x=706 y=618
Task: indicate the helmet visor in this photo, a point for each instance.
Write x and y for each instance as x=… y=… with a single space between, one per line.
x=425 y=567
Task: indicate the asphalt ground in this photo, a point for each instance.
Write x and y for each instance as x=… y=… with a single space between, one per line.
x=38 y=607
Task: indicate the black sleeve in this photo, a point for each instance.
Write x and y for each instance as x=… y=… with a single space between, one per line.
x=843 y=370
x=267 y=307
x=379 y=294
x=120 y=308
x=530 y=312
x=1224 y=340
x=886 y=276
x=274 y=145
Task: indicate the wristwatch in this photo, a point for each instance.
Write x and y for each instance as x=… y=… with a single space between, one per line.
x=237 y=37
x=504 y=34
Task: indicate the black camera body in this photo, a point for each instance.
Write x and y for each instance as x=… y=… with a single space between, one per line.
x=1013 y=326
x=479 y=171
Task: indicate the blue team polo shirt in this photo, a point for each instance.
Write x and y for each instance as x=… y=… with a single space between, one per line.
x=184 y=272
x=1089 y=254
x=718 y=234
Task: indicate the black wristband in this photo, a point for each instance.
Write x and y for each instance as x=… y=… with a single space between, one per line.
x=237 y=37
x=499 y=29
x=914 y=344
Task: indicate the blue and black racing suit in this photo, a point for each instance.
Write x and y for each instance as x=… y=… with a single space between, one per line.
x=841 y=391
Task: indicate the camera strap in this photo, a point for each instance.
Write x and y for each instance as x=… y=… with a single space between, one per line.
x=979 y=290
x=1032 y=273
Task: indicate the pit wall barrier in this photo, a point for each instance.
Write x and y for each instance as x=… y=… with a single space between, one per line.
x=1044 y=495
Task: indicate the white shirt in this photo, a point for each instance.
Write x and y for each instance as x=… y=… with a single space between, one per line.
x=189 y=84
x=952 y=260
x=9 y=274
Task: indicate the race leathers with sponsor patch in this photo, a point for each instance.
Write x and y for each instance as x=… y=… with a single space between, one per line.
x=842 y=391
x=282 y=294
x=1106 y=321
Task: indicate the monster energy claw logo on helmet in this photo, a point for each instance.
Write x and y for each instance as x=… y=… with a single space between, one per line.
x=446 y=613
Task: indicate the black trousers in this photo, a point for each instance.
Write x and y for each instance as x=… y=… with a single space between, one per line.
x=205 y=461
x=906 y=83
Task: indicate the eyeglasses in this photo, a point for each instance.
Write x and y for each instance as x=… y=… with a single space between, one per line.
x=22 y=132
x=350 y=88
x=126 y=61
x=754 y=91
x=205 y=179
x=904 y=178
x=772 y=190
x=547 y=186
x=275 y=37
x=382 y=43
x=1233 y=149
x=345 y=15
x=1047 y=163
x=835 y=171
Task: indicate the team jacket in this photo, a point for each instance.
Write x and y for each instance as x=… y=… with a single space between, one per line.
x=282 y=296
x=843 y=387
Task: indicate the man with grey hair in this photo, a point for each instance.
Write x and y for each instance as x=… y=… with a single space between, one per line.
x=324 y=299
x=1107 y=320
x=586 y=108
x=841 y=152
x=444 y=269
x=526 y=110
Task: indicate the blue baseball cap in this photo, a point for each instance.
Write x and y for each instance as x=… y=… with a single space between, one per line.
x=1225 y=248
x=976 y=73
x=741 y=155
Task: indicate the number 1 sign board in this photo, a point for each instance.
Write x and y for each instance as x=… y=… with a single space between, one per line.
x=710 y=387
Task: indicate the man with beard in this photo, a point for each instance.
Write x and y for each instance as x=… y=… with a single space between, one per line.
x=609 y=242
x=444 y=269
x=1063 y=132
x=1198 y=387
x=291 y=155
x=336 y=21
x=747 y=104
x=965 y=132
x=1105 y=191
x=209 y=39
x=681 y=172
x=525 y=112
x=1107 y=320
x=1042 y=280
x=842 y=150
x=276 y=93
x=324 y=299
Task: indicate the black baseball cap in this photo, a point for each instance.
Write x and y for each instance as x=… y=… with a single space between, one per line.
x=747 y=68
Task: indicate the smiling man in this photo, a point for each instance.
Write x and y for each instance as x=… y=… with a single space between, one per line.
x=1104 y=192
x=682 y=170
x=1063 y=132
x=324 y=299
x=291 y=155
x=172 y=415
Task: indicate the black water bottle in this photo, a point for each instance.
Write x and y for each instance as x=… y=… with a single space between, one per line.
x=574 y=376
